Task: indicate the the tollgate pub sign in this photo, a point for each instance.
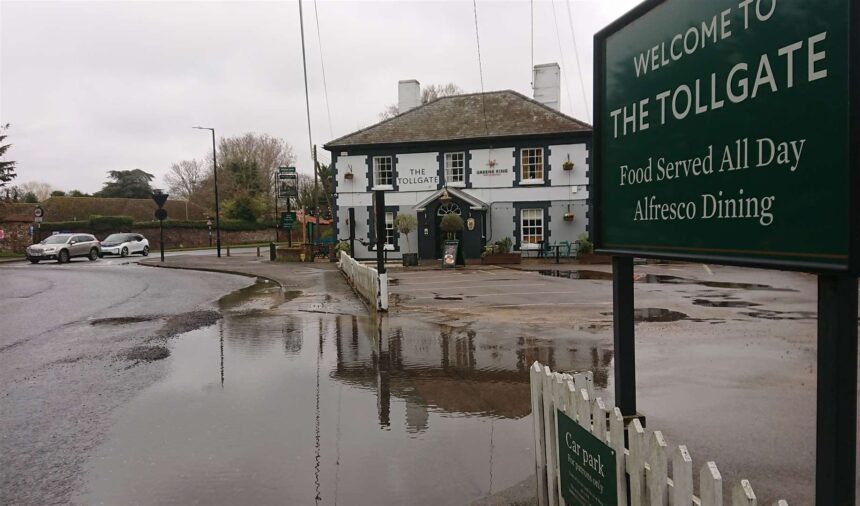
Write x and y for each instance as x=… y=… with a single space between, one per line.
x=724 y=131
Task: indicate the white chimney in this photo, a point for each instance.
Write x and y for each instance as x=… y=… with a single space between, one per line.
x=408 y=95
x=547 y=85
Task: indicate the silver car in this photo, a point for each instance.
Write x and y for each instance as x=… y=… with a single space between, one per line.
x=64 y=247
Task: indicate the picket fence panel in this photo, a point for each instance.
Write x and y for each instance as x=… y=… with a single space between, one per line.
x=366 y=281
x=643 y=461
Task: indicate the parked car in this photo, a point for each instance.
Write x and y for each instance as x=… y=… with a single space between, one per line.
x=125 y=245
x=63 y=247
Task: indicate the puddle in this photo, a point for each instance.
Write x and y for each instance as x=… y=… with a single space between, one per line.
x=677 y=280
x=319 y=408
x=767 y=314
x=654 y=314
x=724 y=303
x=580 y=274
x=261 y=296
x=123 y=320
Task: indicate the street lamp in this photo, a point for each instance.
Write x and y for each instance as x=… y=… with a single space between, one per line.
x=217 y=209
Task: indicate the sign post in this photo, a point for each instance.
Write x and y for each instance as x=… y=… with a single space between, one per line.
x=288 y=187
x=38 y=216
x=160 y=214
x=728 y=132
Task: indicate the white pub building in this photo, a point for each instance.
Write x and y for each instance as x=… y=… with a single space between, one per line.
x=509 y=165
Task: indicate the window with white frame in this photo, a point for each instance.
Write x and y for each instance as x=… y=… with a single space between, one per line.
x=531 y=163
x=455 y=168
x=389 y=228
x=531 y=228
x=383 y=171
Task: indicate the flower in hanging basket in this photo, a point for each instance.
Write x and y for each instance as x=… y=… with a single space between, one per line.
x=347 y=175
x=567 y=165
x=569 y=216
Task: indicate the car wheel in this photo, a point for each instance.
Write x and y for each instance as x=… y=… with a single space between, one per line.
x=63 y=257
x=33 y=260
x=145 y=251
x=94 y=255
x=124 y=252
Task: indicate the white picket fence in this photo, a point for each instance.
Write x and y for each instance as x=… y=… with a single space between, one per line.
x=644 y=460
x=365 y=281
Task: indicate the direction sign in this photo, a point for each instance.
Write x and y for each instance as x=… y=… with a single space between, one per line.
x=728 y=132
x=288 y=220
x=288 y=182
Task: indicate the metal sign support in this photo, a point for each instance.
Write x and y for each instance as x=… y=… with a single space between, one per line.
x=624 y=333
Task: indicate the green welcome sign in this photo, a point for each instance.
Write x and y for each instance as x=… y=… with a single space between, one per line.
x=727 y=131
x=586 y=466
x=288 y=220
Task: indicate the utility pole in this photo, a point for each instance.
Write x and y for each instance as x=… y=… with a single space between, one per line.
x=215 y=176
x=316 y=236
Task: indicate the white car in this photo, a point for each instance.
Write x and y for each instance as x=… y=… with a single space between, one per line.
x=125 y=245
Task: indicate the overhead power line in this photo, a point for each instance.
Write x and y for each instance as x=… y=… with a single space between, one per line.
x=322 y=64
x=305 y=68
x=480 y=68
x=561 y=55
x=578 y=67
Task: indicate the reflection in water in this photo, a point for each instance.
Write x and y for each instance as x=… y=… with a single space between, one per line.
x=380 y=412
x=455 y=372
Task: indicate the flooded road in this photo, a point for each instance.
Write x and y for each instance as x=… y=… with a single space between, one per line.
x=270 y=405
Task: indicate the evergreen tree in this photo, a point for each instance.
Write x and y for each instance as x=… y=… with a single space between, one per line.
x=7 y=168
x=130 y=184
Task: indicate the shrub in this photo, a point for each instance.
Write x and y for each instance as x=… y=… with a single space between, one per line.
x=406 y=224
x=451 y=224
x=342 y=246
x=585 y=245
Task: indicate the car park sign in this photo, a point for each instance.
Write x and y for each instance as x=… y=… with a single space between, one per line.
x=727 y=131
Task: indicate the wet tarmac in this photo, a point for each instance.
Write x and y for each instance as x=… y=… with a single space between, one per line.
x=664 y=279
x=270 y=405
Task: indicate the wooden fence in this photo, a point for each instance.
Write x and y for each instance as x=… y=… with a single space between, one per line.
x=642 y=465
x=366 y=281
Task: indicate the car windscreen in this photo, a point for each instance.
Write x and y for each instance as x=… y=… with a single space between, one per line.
x=56 y=239
x=118 y=238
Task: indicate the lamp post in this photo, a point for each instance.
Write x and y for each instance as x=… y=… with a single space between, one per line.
x=215 y=173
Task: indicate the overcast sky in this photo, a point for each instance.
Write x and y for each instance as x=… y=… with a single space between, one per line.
x=95 y=86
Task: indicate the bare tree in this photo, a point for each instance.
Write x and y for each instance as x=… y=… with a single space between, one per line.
x=428 y=94
x=185 y=178
x=265 y=152
x=40 y=189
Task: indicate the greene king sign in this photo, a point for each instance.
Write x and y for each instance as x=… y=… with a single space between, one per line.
x=724 y=133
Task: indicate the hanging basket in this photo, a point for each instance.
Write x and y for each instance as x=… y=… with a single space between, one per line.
x=569 y=216
x=567 y=165
x=347 y=175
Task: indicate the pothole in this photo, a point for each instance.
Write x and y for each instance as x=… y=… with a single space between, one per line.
x=146 y=353
x=578 y=274
x=724 y=303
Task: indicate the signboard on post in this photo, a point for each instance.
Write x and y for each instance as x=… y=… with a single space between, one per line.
x=287 y=182
x=727 y=132
x=586 y=466
x=449 y=253
x=288 y=220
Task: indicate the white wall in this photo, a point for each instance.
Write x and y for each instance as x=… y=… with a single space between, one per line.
x=417 y=172
x=358 y=166
x=500 y=176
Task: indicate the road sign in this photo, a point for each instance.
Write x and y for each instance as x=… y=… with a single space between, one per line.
x=159 y=198
x=287 y=182
x=38 y=212
x=288 y=220
x=586 y=466
x=38 y=219
x=160 y=214
x=726 y=131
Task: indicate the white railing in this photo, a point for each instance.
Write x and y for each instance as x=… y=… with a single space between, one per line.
x=364 y=279
x=643 y=462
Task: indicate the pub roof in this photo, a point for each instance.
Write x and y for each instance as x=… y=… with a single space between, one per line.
x=462 y=118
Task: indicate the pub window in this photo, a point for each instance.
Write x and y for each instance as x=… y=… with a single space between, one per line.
x=531 y=162
x=455 y=168
x=531 y=228
x=383 y=171
x=389 y=228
